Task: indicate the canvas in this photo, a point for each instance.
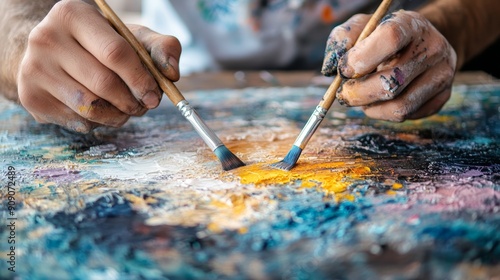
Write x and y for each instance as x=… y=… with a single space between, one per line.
x=367 y=200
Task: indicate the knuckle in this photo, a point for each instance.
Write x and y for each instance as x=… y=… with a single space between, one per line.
x=30 y=69
x=103 y=81
x=42 y=36
x=395 y=35
x=142 y=81
x=172 y=43
x=65 y=11
x=27 y=100
x=114 y=51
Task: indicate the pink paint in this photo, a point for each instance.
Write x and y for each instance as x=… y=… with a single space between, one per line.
x=454 y=195
x=58 y=175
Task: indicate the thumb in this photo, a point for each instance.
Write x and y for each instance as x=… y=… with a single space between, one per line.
x=165 y=50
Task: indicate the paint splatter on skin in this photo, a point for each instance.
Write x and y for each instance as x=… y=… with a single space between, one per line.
x=386 y=18
x=334 y=51
x=393 y=83
x=419 y=198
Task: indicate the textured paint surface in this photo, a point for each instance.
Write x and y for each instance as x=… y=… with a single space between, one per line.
x=367 y=200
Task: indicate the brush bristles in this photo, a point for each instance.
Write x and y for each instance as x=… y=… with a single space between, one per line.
x=290 y=160
x=227 y=158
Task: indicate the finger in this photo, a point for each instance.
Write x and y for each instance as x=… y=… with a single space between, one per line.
x=394 y=33
x=88 y=71
x=69 y=92
x=432 y=106
x=112 y=50
x=379 y=86
x=85 y=103
x=42 y=102
x=418 y=93
x=165 y=50
x=393 y=76
x=340 y=40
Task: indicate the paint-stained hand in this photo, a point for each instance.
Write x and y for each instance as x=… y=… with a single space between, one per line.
x=403 y=70
x=79 y=73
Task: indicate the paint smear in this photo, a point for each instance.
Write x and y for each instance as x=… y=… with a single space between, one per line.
x=333 y=178
x=367 y=200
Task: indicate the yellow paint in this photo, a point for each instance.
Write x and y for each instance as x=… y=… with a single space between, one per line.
x=430 y=121
x=390 y=192
x=239 y=203
x=138 y=203
x=434 y=119
x=219 y=204
x=214 y=227
x=331 y=177
x=58 y=151
x=397 y=186
x=84 y=109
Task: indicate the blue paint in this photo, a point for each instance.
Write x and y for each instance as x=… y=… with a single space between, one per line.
x=99 y=233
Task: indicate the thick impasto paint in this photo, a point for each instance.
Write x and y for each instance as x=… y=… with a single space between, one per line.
x=367 y=200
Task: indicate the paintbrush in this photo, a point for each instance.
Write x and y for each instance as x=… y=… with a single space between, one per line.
x=328 y=98
x=227 y=158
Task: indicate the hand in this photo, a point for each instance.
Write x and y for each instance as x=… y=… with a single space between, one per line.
x=78 y=72
x=403 y=70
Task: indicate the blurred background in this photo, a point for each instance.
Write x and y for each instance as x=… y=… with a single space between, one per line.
x=128 y=10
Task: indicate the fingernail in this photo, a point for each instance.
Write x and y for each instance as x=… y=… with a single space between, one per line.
x=151 y=99
x=79 y=126
x=340 y=97
x=173 y=63
x=343 y=102
x=343 y=71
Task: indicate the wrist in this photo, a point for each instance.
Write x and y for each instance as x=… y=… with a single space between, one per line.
x=17 y=19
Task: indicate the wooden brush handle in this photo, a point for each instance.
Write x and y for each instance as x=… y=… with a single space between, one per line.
x=166 y=85
x=329 y=96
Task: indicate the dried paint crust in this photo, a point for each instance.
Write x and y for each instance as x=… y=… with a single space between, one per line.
x=419 y=199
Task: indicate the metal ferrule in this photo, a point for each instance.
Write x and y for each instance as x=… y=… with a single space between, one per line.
x=312 y=124
x=199 y=125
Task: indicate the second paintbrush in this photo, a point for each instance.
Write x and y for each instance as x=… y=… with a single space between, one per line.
x=227 y=158
x=320 y=112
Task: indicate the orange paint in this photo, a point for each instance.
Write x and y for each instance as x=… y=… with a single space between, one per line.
x=327 y=14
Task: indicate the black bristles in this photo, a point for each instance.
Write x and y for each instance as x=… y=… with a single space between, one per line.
x=290 y=160
x=227 y=158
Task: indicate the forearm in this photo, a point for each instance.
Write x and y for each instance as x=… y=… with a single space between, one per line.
x=469 y=26
x=17 y=19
